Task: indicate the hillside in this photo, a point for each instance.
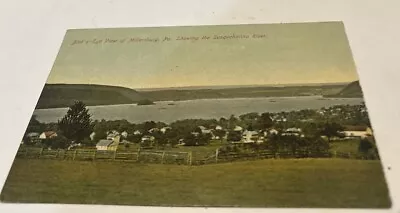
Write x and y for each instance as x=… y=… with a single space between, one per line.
x=62 y=95
x=241 y=92
x=352 y=90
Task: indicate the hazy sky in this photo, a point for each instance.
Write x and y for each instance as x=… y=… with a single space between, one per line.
x=290 y=53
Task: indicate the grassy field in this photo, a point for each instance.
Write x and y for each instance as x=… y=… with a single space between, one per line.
x=263 y=183
x=345 y=146
x=199 y=152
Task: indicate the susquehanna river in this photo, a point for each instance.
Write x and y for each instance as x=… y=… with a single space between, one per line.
x=169 y=111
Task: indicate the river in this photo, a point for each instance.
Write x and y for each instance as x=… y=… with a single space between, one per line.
x=169 y=111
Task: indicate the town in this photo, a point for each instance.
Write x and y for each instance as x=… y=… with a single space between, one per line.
x=293 y=131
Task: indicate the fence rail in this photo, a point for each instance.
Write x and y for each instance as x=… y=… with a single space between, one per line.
x=168 y=157
x=93 y=154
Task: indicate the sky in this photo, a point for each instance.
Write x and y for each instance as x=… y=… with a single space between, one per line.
x=301 y=53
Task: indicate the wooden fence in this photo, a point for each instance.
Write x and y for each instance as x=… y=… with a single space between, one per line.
x=267 y=154
x=168 y=157
x=145 y=156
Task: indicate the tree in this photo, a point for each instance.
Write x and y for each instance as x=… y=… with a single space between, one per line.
x=172 y=136
x=265 y=121
x=190 y=140
x=317 y=145
x=234 y=136
x=232 y=122
x=59 y=142
x=149 y=125
x=35 y=126
x=76 y=125
x=331 y=130
x=365 y=145
x=220 y=133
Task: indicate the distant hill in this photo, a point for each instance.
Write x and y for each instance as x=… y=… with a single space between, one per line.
x=63 y=95
x=241 y=92
x=352 y=90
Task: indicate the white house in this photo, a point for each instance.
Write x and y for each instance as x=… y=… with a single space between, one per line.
x=147 y=138
x=271 y=132
x=33 y=137
x=137 y=132
x=112 y=134
x=238 y=128
x=108 y=145
x=181 y=142
x=293 y=132
x=91 y=136
x=218 y=127
x=124 y=134
x=252 y=137
x=165 y=129
x=103 y=144
x=152 y=130
x=48 y=134
x=202 y=127
x=358 y=133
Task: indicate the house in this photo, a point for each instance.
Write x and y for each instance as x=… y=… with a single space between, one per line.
x=270 y=132
x=147 y=139
x=165 y=129
x=33 y=137
x=48 y=135
x=91 y=136
x=181 y=142
x=357 y=132
x=202 y=127
x=152 y=130
x=137 y=132
x=218 y=127
x=273 y=131
x=238 y=129
x=252 y=137
x=292 y=132
x=124 y=134
x=206 y=131
x=108 y=145
x=103 y=145
x=112 y=134
x=195 y=133
x=369 y=131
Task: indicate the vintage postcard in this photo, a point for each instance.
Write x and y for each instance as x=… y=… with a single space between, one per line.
x=264 y=115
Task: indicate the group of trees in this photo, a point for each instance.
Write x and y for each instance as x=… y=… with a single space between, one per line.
x=77 y=125
x=74 y=127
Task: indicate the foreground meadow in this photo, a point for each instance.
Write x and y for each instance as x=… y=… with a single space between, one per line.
x=264 y=183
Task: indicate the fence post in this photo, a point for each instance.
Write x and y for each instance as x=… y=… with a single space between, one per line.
x=73 y=158
x=57 y=153
x=216 y=155
x=190 y=158
x=334 y=154
x=138 y=154
x=40 y=153
x=26 y=151
x=277 y=155
x=115 y=154
x=94 y=154
x=162 y=157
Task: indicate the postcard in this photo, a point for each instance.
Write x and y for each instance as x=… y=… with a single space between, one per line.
x=260 y=115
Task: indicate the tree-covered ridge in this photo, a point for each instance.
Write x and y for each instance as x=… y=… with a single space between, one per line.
x=353 y=90
x=63 y=95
